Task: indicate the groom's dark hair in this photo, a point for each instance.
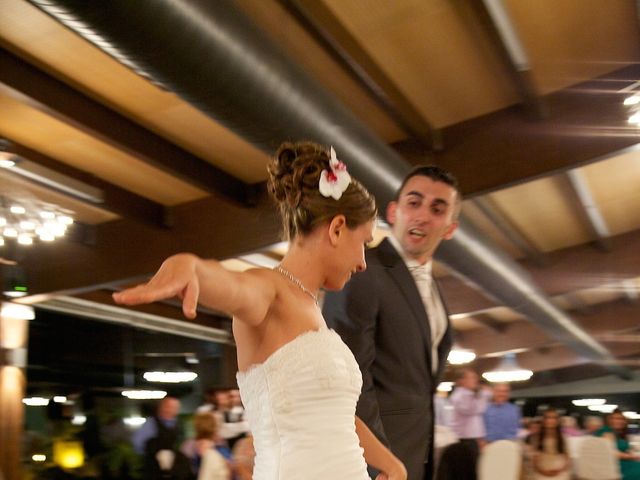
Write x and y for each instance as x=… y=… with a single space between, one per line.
x=436 y=174
x=433 y=172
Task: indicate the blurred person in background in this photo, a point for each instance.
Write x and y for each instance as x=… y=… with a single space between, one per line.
x=469 y=401
x=616 y=431
x=158 y=439
x=550 y=457
x=225 y=404
x=592 y=424
x=502 y=418
x=243 y=457
x=569 y=426
x=209 y=459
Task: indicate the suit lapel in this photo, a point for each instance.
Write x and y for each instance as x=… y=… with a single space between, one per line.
x=401 y=276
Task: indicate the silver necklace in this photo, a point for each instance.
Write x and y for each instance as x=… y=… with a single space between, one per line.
x=295 y=281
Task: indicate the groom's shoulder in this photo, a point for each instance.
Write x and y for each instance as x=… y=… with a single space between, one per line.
x=384 y=254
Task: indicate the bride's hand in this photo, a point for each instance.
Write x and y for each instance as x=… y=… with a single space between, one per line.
x=176 y=277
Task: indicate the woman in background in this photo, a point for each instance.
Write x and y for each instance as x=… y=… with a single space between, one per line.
x=616 y=430
x=207 y=461
x=550 y=456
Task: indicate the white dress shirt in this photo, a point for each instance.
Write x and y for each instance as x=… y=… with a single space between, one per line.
x=430 y=298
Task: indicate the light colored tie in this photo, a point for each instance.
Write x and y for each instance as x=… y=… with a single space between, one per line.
x=432 y=306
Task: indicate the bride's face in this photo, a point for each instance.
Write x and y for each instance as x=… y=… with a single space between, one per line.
x=348 y=255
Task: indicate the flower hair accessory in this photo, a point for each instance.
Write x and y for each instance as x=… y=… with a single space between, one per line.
x=335 y=181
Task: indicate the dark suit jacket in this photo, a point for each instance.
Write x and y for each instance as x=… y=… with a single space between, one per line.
x=380 y=316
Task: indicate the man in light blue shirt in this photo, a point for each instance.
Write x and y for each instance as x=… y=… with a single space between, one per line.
x=501 y=418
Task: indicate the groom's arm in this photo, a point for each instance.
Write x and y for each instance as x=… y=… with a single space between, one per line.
x=353 y=313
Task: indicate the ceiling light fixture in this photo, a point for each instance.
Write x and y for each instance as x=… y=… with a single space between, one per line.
x=170 y=377
x=445 y=387
x=36 y=401
x=144 y=394
x=134 y=422
x=25 y=219
x=460 y=356
x=7 y=158
x=606 y=408
x=632 y=100
x=508 y=371
x=588 y=402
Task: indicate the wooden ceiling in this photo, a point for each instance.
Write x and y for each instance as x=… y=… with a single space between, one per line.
x=431 y=79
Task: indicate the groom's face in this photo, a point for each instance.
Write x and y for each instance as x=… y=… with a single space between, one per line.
x=423 y=216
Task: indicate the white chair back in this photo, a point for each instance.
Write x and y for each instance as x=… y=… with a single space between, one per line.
x=500 y=460
x=573 y=446
x=597 y=460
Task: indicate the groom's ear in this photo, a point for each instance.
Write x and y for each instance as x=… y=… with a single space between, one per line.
x=391 y=212
x=336 y=226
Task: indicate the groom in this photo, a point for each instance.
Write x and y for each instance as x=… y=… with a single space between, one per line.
x=393 y=318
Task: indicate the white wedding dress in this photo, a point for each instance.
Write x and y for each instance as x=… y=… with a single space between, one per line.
x=301 y=408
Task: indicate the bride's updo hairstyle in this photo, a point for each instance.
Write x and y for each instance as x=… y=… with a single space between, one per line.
x=294 y=178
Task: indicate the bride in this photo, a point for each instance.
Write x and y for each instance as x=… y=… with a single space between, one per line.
x=298 y=381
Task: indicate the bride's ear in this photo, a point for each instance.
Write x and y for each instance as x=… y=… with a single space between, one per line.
x=336 y=227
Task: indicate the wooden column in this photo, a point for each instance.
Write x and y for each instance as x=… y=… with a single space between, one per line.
x=13 y=353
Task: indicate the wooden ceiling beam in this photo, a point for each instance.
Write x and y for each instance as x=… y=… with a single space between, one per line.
x=213 y=227
x=588 y=122
x=461 y=298
x=565 y=271
x=552 y=358
x=115 y=199
x=581 y=267
x=26 y=83
x=498 y=26
x=330 y=33
x=603 y=318
x=586 y=208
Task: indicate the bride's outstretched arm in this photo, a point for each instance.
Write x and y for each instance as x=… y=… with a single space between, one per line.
x=379 y=456
x=246 y=296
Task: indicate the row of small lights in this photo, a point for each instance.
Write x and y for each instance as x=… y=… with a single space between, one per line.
x=47 y=224
x=133 y=421
x=50 y=226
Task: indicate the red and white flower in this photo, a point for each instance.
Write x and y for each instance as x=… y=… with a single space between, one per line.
x=335 y=181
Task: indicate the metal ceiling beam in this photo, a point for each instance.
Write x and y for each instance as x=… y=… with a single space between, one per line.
x=327 y=29
x=255 y=90
x=31 y=86
x=588 y=208
x=508 y=229
x=114 y=199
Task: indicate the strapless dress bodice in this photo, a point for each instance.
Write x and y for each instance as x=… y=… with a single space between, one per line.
x=301 y=404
